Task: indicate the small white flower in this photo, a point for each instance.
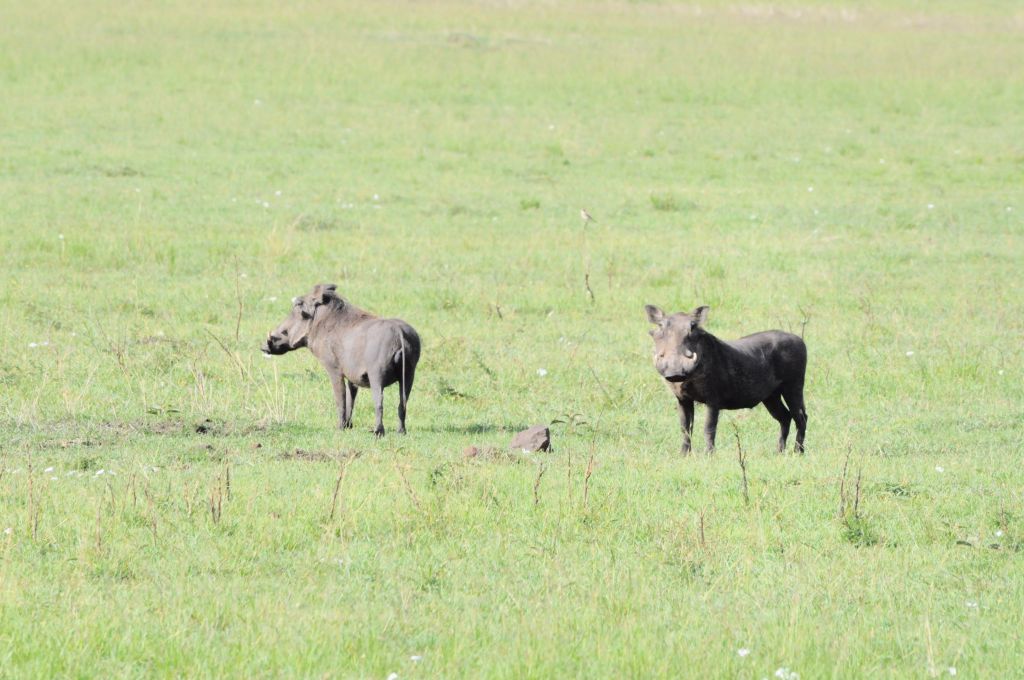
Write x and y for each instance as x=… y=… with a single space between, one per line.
x=931 y=206
x=939 y=468
x=786 y=674
x=882 y=161
x=257 y=102
x=1009 y=208
x=393 y=676
x=243 y=275
x=100 y=472
x=272 y=298
x=910 y=353
x=277 y=193
x=265 y=204
x=60 y=236
x=952 y=671
x=415 y=658
x=8 y=531
x=742 y=652
x=971 y=604
x=49 y=469
x=1000 y=371
x=810 y=189
x=33 y=344
x=542 y=372
x=999 y=532
x=376 y=197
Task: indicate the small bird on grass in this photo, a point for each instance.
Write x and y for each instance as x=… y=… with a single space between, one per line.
x=586 y=216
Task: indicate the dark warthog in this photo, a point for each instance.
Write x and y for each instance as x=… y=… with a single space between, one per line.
x=763 y=368
x=355 y=347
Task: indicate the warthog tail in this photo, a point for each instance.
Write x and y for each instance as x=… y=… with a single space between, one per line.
x=401 y=376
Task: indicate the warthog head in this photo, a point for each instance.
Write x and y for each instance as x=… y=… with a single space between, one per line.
x=678 y=346
x=293 y=331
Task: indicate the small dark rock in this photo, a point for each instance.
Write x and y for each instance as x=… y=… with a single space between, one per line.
x=536 y=438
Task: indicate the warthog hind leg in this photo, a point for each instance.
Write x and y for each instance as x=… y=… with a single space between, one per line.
x=781 y=414
x=377 y=390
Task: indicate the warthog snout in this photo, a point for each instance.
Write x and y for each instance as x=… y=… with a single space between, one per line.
x=676 y=367
x=292 y=332
x=274 y=344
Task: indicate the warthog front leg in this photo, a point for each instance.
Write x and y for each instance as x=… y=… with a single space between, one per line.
x=686 y=422
x=340 y=397
x=710 y=428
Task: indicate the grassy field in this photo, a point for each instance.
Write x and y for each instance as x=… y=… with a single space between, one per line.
x=174 y=504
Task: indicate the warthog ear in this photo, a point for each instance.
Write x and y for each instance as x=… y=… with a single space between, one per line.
x=325 y=292
x=654 y=314
x=700 y=315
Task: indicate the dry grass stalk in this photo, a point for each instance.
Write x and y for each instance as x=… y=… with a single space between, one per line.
x=408 y=487
x=536 y=484
x=586 y=481
x=337 y=485
x=856 y=496
x=743 y=465
x=842 y=486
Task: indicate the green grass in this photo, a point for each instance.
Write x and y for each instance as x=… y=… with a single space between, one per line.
x=170 y=176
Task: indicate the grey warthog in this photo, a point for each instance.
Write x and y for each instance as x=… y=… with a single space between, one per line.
x=356 y=348
x=763 y=368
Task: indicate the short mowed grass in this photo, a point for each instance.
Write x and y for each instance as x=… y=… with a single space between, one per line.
x=173 y=504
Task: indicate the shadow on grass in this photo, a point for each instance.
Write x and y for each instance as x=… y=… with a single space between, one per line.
x=474 y=428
